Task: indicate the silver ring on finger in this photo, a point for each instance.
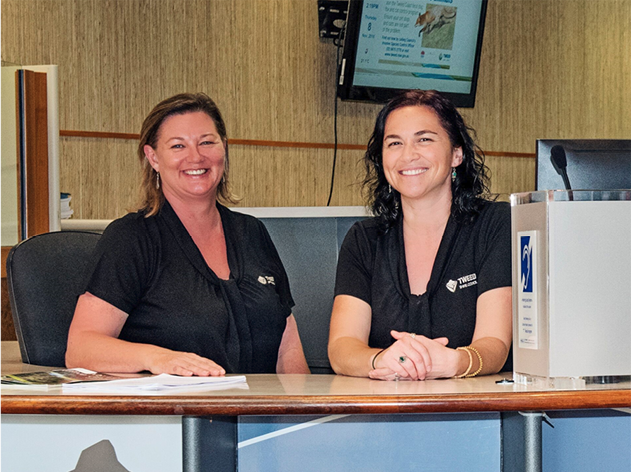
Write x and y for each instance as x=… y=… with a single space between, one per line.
x=413 y=335
x=396 y=376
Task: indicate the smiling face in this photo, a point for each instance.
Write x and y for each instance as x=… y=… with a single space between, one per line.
x=190 y=157
x=418 y=155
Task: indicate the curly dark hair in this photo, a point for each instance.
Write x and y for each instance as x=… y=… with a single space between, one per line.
x=469 y=188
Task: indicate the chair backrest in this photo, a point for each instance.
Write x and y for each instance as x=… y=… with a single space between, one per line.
x=45 y=275
x=309 y=248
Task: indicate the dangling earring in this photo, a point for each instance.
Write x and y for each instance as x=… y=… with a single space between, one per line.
x=157 y=180
x=453 y=174
x=389 y=189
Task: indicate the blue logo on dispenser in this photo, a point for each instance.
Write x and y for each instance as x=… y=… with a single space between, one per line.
x=526 y=264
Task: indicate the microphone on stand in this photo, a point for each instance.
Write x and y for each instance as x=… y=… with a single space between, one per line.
x=559 y=161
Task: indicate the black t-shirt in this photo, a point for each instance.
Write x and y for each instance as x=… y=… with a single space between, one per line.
x=472 y=259
x=151 y=269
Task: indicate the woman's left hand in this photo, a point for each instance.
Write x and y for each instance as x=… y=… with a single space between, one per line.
x=441 y=358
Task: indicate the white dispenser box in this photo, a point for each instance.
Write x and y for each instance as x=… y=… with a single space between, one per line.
x=571 y=255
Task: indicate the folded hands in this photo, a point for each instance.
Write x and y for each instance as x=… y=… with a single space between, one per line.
x=415 y=357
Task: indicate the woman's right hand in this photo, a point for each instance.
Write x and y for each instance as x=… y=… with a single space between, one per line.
x=185 y=364
x=407 y=358
x=93 y=344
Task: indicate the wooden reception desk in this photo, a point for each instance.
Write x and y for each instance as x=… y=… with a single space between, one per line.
x=314 y=395
x=282 y=395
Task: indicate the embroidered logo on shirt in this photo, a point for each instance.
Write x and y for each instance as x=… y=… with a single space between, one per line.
x=266 y=279
x=462 y=282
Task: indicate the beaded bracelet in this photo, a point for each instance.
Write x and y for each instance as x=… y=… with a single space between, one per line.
x=466 y=372
x=375 y=358
x=477 y=353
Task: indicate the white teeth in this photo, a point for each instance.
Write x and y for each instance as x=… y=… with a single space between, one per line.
x=195 y=172
x=413 y=172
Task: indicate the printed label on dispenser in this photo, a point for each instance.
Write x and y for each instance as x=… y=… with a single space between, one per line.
x=527 y=292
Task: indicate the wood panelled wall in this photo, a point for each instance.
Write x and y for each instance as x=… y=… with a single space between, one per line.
x=556 y=69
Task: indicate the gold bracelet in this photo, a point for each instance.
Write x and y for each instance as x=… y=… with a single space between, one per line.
x=466 y=372
x=477 y=353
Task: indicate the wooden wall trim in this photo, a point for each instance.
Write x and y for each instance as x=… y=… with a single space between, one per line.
x=531 y=155
x=258 y=142
x=97 y=134
x=36 y=142
x=18 y=160
x=5 y=254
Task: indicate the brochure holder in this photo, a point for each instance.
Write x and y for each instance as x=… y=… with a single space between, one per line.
x=571 y=255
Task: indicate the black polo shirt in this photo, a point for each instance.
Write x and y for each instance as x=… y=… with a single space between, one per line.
x=472 y=258
x=151 y=269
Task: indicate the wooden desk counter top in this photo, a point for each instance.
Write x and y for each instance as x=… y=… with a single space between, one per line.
x=270 y=394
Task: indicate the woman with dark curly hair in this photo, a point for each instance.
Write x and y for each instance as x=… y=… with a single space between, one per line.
x=423 y=289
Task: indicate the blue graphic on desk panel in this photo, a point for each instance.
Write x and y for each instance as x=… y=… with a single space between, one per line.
x=373 y=443
x=587 y=440
x=526 y=264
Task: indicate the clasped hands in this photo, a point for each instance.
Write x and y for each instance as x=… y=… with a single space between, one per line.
x=413 y=357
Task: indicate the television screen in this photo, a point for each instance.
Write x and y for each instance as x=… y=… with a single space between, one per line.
x=590 y=164
x=393 y=45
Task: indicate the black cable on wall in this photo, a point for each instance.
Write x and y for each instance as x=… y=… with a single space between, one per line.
x=338 y=44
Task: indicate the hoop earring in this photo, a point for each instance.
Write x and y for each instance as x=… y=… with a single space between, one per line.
x=453 y=174
x=157 y=180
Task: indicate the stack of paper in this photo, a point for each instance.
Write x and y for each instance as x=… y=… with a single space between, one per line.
x=87 y=381
x=158 y=383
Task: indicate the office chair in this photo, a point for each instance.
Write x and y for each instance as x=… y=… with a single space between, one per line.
x=45 y=275
x=308 y=248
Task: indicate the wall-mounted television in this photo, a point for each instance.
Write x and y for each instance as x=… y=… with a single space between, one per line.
x=393 y=45
x=591 y=164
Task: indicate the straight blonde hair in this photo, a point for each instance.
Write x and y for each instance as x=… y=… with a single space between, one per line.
x=151 y=197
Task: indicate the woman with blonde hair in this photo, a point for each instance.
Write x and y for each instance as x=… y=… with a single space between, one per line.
x=186 y=286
